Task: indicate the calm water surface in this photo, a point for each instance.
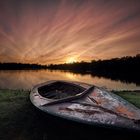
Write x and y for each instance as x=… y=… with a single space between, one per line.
x=26 y=79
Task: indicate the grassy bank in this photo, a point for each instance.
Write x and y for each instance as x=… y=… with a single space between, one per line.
x=16 y=115
x=20 y=121
x=131 y=96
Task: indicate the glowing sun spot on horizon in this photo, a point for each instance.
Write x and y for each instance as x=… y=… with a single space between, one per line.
x=71 y=60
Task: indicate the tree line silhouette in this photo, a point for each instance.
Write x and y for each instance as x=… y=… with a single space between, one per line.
x=126 y=69
x=20 y=66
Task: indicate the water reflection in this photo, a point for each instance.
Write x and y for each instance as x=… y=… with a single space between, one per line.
x=26 y=79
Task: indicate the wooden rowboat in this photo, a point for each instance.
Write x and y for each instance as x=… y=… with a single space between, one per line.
x=85 y=103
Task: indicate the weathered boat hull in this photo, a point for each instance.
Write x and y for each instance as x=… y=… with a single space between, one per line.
x=99 y=107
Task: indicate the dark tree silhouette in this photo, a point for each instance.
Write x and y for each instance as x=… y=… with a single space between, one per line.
x=20 y=66
x=126 y=69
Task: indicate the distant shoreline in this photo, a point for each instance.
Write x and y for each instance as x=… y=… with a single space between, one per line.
x=21 y=66
x=111 y=64
x=124 y=69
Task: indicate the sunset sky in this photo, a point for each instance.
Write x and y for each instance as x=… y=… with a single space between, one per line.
x=59 y=31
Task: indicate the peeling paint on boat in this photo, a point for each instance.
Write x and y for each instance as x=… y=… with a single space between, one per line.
x=99 y=107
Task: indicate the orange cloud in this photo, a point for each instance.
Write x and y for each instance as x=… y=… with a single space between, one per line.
x=52 y=31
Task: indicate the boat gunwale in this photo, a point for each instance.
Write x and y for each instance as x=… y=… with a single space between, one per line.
x=41 y=108
x=78 y=84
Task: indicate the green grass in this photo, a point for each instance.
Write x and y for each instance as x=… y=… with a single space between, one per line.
x=131 y=96
x=20 y=121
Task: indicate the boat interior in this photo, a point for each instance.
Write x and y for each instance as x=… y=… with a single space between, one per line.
x=60 y=90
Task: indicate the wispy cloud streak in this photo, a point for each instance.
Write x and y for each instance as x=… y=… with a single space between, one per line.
x=51 y=31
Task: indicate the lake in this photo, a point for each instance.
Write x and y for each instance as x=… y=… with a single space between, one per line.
x=26 y=79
